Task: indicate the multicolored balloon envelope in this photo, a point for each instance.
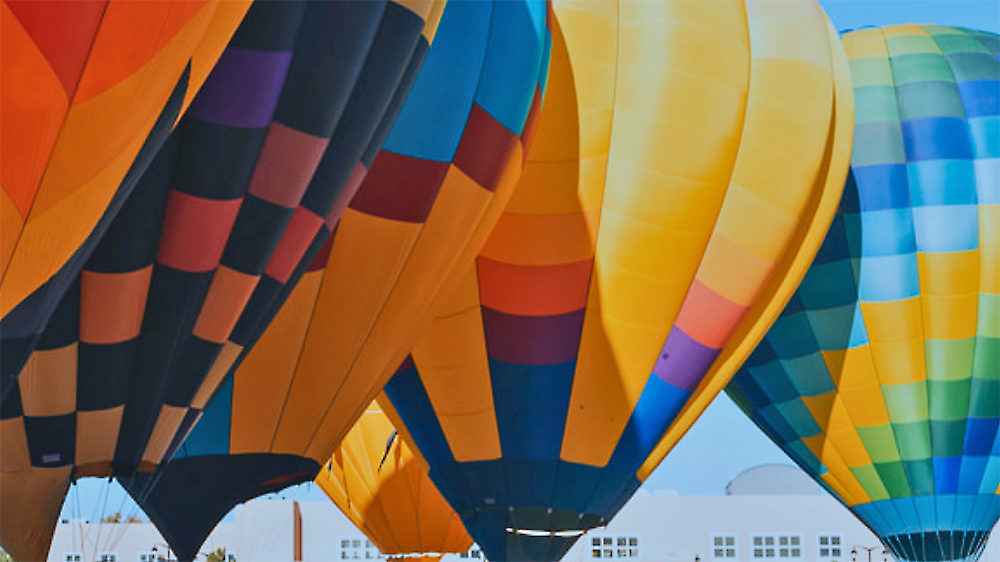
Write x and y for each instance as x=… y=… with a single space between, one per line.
x=881 y=378
x=686 y=168
x=379 y=484
x=89 y=91
x=434 y=191
x=286 y=124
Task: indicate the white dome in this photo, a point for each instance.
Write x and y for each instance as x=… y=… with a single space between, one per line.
x=773 y=480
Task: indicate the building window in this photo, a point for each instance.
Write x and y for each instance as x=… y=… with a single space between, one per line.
x=230 y=556
x=149 y=556
x=723 y=547
x=107 y=557
x=358 y=549
x=614 y=546
x=784 y=547
x=72 y=556
x=830 y=548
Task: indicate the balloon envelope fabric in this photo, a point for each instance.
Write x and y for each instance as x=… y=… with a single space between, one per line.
x=379 y=484
x=676 y=191
x=225 y=213
x=881 y=378
x=90 y=91
x=300 y=389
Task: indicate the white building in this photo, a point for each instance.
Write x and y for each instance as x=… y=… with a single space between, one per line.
x=769 y=513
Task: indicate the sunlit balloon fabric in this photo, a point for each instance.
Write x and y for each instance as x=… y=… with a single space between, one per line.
x=881 y=378
x=379 y=484
x=682 y=178
x=89 y=90
x=209 y=238
x=442 y=177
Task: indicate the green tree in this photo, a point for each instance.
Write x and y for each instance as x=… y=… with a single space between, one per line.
x=218 y=555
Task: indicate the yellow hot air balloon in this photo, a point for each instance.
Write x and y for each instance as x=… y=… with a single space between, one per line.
x=383 y=488
x=689 y=160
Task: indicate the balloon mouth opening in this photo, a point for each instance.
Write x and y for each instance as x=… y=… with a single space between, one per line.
x=545 y=533
x=938 y=546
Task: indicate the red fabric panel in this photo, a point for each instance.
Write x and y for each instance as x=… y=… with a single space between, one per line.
x=286 y=165
x=400 y=187
x=64 y=32
x=195 y=231
x=294 y=242
x=487 y=149
x=319 y=262
x=534 y=290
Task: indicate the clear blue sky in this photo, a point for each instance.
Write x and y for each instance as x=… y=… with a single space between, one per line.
x=723 y=442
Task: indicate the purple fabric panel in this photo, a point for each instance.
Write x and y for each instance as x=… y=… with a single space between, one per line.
x=683 y=361
x=243 y=88
x=532 y=340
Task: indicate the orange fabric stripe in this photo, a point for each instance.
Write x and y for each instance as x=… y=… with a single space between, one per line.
x=131 y=34
x=534 y=290
x=33 y=105
x=708 y=317
x=227 y=297
x=112 y=305
x=543 y=239
x=48 y=382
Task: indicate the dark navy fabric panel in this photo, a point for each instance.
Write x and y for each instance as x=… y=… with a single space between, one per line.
x=51 y=439
x=608 y=492
x=270 y=26
x=103 y=374
x=762 y=355
x=574 y=486
x=834 y=247
x=190 y=370
x=133 y=238
x=407 y=394
x=490 y=530
x=777 y=427
x=216 y=161
x=531 y=404
x=800 y=341
x=14 y=353
x=375 y=88
x=403 y=90
x=212 y=434
x=255 y=235
x=331 y=47
x=64 y=325
x=937 y=138
x=751 y=391
x=171 y=311
x=489 y=482
x=186 y=498
x=531 y=481
x=260 y=301
x=10 y=405
x=882 y=186
x=850 y=201
x=658 y=406
x=450 y=482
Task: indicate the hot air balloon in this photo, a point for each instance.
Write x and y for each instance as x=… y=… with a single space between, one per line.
x=441 y=179
x=678 y=186
x=380 y=485
x=880 y=378
x=217 y=225
x=89 y=92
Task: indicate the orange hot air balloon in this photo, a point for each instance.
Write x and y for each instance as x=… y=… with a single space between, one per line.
x=89 y=91
x=434 y=191
x=380 y=485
